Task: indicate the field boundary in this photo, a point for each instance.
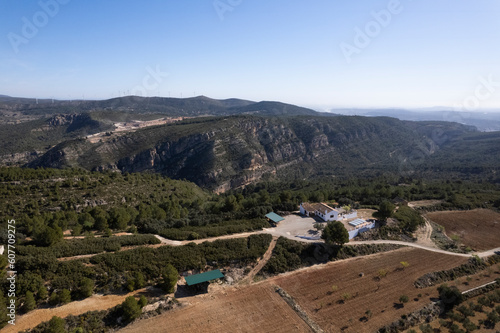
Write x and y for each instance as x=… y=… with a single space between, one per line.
x=301 y=312
x=431 y=310
x=480 y=287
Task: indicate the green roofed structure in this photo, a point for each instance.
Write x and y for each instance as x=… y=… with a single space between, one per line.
x=203 y=277
x=274 y=218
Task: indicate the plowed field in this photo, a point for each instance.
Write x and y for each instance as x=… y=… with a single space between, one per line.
x=478 y=228
x=312 y=289
x=255 y=308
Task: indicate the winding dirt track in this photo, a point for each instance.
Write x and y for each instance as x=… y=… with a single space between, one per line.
x=420 y=244
x=424 y=234
x=262 y=262
x=428 y=248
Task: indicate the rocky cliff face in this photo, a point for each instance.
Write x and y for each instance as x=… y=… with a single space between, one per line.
x=225 y=153
x=75 y=122
x=20 y=158
x=63 y=119
x=221 y=158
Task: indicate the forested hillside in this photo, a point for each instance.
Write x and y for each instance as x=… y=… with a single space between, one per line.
x=12 y=108
x=51 y=206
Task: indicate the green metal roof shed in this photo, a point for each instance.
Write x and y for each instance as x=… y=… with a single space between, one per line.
x=203 y=277
x=274 y=217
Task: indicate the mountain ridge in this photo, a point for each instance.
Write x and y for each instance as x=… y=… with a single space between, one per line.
x=221 y=153
x=193 y=106
x=484 y=121
x=225 y=144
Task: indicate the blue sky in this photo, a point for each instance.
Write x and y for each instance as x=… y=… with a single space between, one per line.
x=424 y=54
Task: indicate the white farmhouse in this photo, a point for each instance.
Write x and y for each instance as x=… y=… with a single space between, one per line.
x=325 y=212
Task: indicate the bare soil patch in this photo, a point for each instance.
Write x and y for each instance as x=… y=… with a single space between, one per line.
x=131 y=126
x=313 y=288
x=478 y=228
x=423 y=234
x=366 y=213
x=424 y=203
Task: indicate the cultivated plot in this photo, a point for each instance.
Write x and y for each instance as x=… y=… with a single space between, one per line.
x=478 y=228
x=256 y=308
x=362 y=294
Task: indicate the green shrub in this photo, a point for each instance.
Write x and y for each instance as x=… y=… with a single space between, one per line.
x=170 y=277
x=56 y=325
x=403 y=299
x=143 y=301
x=131 y=309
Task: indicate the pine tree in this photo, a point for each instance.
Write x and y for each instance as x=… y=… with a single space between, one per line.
x=64 y=296
x=42 y=294
x=131 y=309
x=29 y=302
x=335 y=233
x=143 y=301
x=170 y=278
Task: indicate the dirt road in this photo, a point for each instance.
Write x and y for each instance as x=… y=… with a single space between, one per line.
x=303 y=226
x=428 y=248
x=424 y=233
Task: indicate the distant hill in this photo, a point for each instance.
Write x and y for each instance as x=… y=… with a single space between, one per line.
x=273 y=109
x=187 y=107
x=483 y=121
x=29 y=127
